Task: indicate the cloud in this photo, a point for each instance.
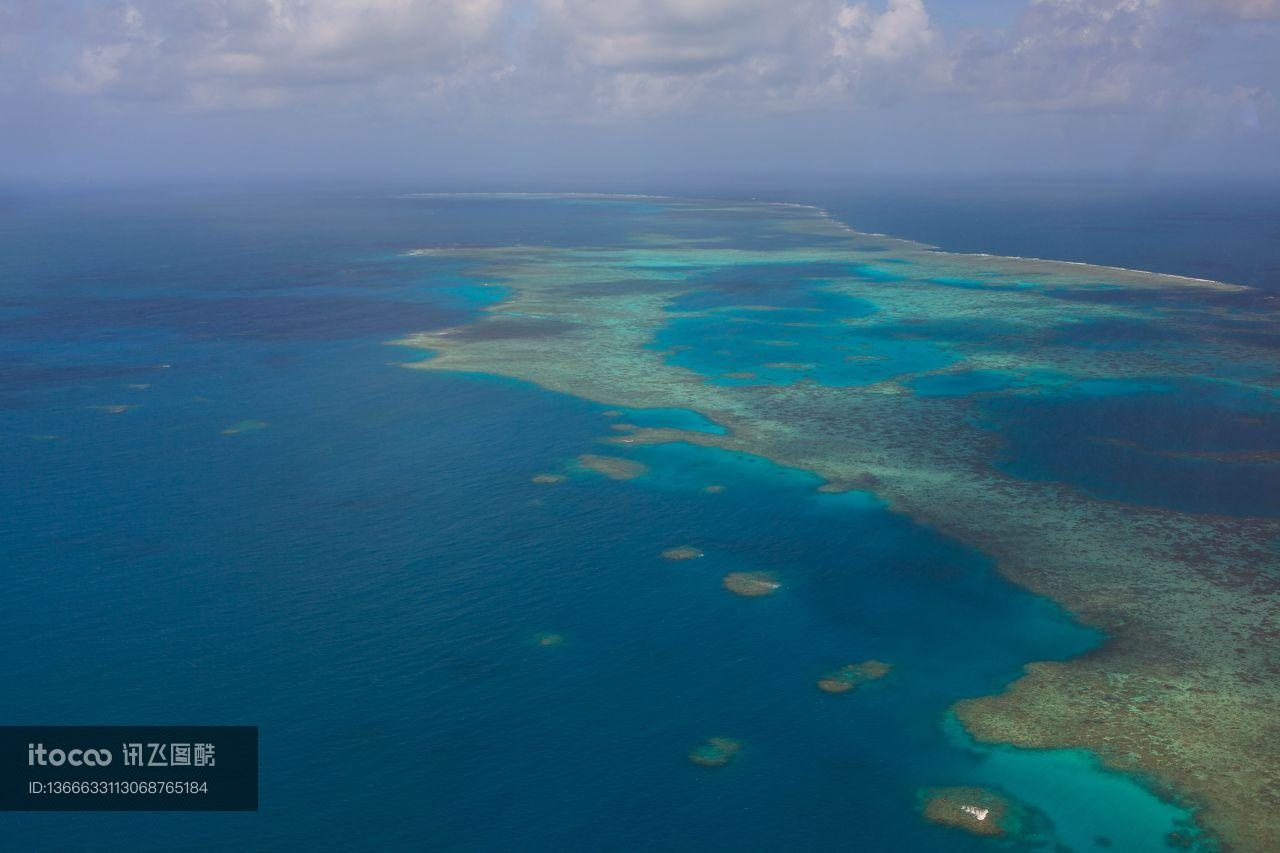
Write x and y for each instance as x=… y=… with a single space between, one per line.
x=97 y=68
x=1242 y=10
x=689 y=55
x=256 y=53
x=1066 y=55
x=603 y=57
x=1177 y=64
x=600 y=60
x=665 y=36
x=901 y=30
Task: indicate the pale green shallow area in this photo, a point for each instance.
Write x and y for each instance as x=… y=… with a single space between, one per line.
x=1185 y=692
x=1082 y=802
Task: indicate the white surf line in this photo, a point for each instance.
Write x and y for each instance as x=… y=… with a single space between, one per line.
x=825 y=214
x=1213 y=281
x=935 y=250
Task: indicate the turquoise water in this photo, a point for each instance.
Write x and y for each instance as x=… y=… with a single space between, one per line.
x=776 y=324
x=681 y=419
x=362 y=565
x=779 y=348
x=1064 y=785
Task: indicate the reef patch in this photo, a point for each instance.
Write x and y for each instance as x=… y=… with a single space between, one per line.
x=751 y=584
x=547 y=639
x=613 y=467
x=847 y=678
x=715 y=752
x=245 y=426
x=977 y=810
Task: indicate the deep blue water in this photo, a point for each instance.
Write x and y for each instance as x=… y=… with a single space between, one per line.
x=361 y=567
x=1215 y=228
x=1191 y=446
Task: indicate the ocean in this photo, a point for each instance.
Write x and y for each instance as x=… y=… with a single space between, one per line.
x=224 y=500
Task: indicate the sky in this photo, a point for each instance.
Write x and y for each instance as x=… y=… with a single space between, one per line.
x=458 y=90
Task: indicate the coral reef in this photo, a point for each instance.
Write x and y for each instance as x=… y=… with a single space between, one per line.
x=547 y=639
x=846 y=678
x=1186 y=690
x=975 y=810
x=715 y=752
x=751 y=584
x=244 y=426
x=613 y=467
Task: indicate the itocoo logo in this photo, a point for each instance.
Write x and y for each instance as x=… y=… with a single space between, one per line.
x=38 y=755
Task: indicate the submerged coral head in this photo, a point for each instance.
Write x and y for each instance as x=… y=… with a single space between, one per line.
x=751 y=584
x=846 y=678
x=716 y=752
x=613 y=467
